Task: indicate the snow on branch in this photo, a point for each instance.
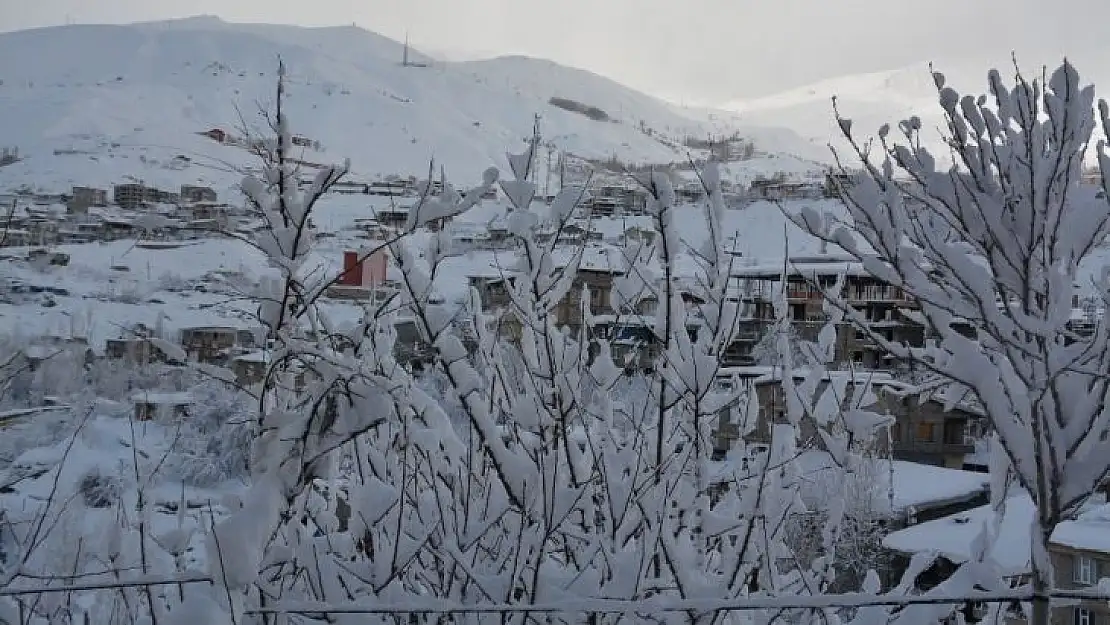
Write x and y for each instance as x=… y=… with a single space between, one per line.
x=992 y=250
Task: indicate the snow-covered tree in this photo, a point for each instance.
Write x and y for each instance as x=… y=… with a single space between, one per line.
x=565 y=481
x=997 y=243
x=525 y=470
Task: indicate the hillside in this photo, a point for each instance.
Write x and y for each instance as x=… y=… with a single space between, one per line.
x=91 y=105
x=873 y=99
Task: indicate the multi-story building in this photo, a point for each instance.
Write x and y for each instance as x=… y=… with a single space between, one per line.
x=137 y=195
x=611 y=200
x=1080 y=555
x=81 y=198
x=807 y=279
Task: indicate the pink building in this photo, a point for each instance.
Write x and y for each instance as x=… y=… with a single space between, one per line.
x=370 y=272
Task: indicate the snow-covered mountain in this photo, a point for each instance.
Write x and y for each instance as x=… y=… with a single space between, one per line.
x=89 y=105
x=873 y=99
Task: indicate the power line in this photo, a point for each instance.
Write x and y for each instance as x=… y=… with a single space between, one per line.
x=701 y=605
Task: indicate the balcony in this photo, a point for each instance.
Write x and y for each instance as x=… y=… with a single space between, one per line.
x=935 y=447
x=876 y=293
x=802 y=292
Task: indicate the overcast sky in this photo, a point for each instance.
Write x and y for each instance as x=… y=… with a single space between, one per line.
x=697 y=51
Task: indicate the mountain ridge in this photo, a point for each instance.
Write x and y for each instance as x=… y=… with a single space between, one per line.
x=96 y=104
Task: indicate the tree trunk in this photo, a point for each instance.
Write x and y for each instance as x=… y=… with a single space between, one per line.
x=1042 y=582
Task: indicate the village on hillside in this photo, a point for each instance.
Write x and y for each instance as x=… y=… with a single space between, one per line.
x=937 y=447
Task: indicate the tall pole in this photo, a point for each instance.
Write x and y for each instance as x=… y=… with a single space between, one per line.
x=547 y=176
x=535 y=143
x=562 y=170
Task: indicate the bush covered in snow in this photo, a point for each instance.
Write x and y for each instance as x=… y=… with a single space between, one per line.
x=212 y=445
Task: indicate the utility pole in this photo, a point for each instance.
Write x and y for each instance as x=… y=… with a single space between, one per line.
x=562 y=170
x=547 y=177
x=533 y=156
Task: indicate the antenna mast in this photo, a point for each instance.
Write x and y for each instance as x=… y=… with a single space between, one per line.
x=547 y=173
x=533 y=156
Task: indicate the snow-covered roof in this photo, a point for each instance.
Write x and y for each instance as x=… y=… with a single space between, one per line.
x=769 y=373
x=163 y=398
x=914 y=486
x=260 y=356
x=805 y=266
x=953 y=536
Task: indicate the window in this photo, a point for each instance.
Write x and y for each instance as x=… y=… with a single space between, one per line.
x=925 y=432
x=1083 y=617
x=1084 y=570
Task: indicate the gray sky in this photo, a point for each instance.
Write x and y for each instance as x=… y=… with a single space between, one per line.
x=697 y=51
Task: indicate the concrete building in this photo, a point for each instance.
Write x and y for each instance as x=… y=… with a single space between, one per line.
x=81 y=198
x=192 y=194
x=133 y=195
x=755 y=287
x=157 y=404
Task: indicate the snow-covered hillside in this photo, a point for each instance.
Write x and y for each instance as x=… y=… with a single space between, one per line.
x=91 y=105
x=874 y=99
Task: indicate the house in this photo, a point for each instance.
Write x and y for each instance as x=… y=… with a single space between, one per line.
x=158 y=404
x=636 y=235
x=192 y=194
x=389 y=188
x=16 y=237
x=350 y=187
x=1080 y=552
x=47 y=347
x=211 y=344
x=690 y=192
x=493 y=290
x=885 y=495
x=409 y=348
x=836 y=181
x=393 y=217
x=1079 y=549
x=572 y=234
x=364 y=274
x=250 y=368
x=115 y=228
x=136 y=350
x=597 y=268
x=609 y=200
x=928 y=431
